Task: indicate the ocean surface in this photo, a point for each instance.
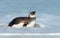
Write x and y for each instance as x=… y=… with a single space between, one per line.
x=29 y=36
x=6 y=29
x=24 y=32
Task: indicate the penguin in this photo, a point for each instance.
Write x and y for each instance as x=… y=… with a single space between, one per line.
x=29 y=21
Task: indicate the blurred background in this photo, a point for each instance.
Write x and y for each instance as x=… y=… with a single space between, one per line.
x=47 y=11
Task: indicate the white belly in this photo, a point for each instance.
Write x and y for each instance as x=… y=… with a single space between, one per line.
x=18 y=25
x=31 y=24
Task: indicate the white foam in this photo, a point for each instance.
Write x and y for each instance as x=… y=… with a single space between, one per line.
x=42 y=25
x=27 y=34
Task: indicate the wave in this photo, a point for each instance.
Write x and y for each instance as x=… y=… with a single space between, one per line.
x=27 y=34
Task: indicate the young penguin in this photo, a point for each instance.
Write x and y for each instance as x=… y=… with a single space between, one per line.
x=24 y=21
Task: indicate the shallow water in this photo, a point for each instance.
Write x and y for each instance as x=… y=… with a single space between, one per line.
x=29 y=36
x=30 y=30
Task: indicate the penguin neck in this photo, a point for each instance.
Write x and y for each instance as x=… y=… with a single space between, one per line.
x=31 y=16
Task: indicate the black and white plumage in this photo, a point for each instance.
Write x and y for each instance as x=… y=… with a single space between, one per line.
x=24 y=21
